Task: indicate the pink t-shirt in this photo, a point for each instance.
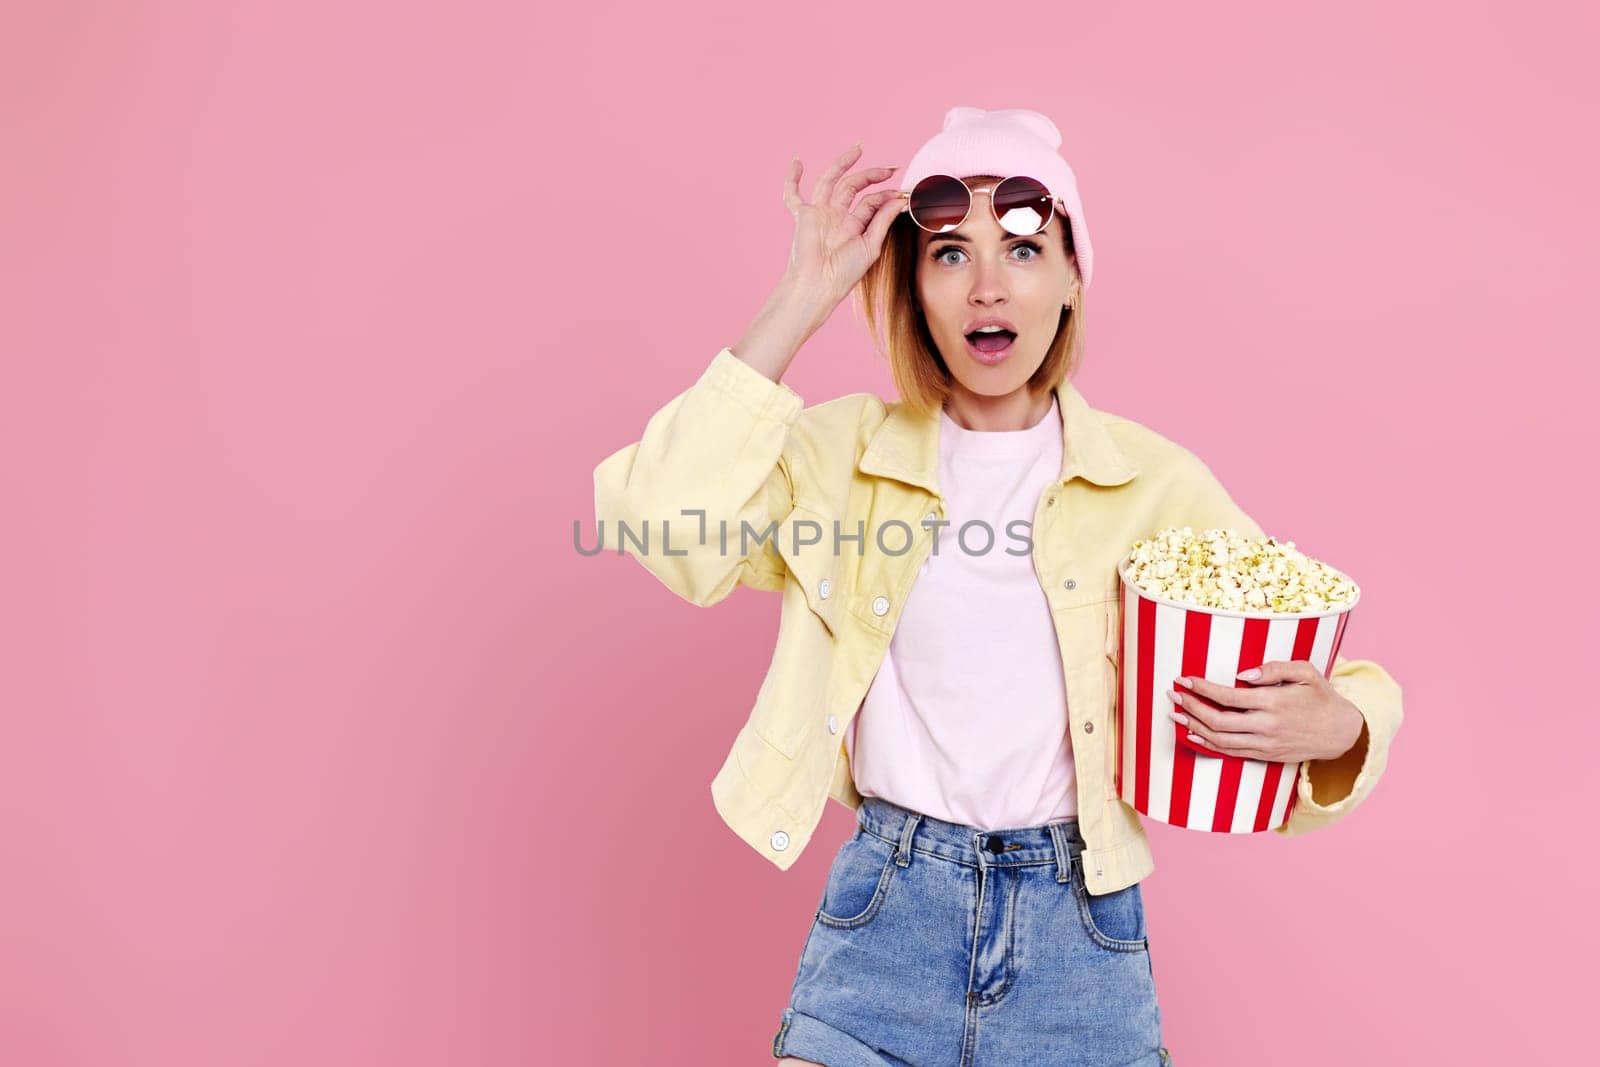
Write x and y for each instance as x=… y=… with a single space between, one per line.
x=966 y=720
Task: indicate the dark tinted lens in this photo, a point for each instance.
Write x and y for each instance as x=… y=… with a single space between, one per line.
x=1022 y=205
x=939 y=203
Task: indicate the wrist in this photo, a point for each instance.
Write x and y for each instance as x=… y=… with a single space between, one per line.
x=775 y=335
x=1354 y=724
x=783 y=325
x=801 y=303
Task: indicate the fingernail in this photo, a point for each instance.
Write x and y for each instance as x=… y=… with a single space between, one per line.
x=1250 y=675
x=1186 y=683
x=1178 y=716
x=1175 y=697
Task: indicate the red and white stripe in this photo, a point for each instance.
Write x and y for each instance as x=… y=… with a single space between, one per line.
x=1159 y=773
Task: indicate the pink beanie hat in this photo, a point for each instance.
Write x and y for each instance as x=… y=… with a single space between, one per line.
x=1006 y=142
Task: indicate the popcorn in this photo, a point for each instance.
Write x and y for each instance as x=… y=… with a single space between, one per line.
x=1224 y=570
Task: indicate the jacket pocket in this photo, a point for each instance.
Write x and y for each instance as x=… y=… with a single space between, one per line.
x=794 y=700
x=815 y=567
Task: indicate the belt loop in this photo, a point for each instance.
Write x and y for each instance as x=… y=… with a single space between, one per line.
x=1058 y=835
x=902 y=853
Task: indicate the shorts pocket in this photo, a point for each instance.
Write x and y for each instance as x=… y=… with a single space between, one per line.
x=1113 y=920
x=858 y=881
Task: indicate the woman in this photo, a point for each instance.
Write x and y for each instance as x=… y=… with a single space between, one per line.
x=959 y=694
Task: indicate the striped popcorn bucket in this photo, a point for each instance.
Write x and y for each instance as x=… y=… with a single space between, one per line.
x=1161 y=772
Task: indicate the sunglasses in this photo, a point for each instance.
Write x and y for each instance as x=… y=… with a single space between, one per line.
x=1021 y=205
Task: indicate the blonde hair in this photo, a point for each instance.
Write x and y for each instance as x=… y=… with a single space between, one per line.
x=886 y=298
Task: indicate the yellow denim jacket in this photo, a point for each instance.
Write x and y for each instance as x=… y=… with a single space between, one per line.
x=737 y=447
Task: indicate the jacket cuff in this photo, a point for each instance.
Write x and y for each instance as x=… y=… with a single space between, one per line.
x=1329 y=789
x=760 y=394
x=1329 y=784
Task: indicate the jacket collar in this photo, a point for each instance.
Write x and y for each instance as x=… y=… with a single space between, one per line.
x=906 y=445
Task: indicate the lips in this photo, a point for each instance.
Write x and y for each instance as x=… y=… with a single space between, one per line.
x=991 y=320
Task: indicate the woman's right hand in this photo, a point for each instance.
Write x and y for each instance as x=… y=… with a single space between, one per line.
x=837 y=236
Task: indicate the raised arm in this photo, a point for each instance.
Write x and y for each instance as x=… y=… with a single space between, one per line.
x=711 y=462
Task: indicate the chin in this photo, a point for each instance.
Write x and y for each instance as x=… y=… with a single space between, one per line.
x=998 y=379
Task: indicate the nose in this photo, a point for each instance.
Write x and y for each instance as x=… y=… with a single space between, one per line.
x=987 y=287
x=988 y=282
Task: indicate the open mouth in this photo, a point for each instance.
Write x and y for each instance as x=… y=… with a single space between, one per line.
x=990 y=346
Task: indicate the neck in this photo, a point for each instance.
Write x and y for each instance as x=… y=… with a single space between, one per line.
x=1017 y=410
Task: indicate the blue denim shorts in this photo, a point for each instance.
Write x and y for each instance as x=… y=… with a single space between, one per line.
x=938 y=943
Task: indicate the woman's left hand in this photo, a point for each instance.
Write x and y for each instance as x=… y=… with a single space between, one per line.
x=1290 y=713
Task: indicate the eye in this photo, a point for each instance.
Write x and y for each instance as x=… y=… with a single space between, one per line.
x=1033 y=247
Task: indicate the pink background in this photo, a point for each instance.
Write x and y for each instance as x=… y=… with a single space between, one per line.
x=323 y=746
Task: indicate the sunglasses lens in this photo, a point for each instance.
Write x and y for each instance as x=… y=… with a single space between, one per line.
x=1023 y=205
x=939 y=203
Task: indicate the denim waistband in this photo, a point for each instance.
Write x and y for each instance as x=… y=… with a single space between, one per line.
x=1056 y=842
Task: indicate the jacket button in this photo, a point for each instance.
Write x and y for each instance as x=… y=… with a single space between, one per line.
x=824 y=587
x=880 y=605
x=1049 y=501
x=1088 y=727
x=780 y=841
x=932 y=515
x=1071 y=583
x=833 y=724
